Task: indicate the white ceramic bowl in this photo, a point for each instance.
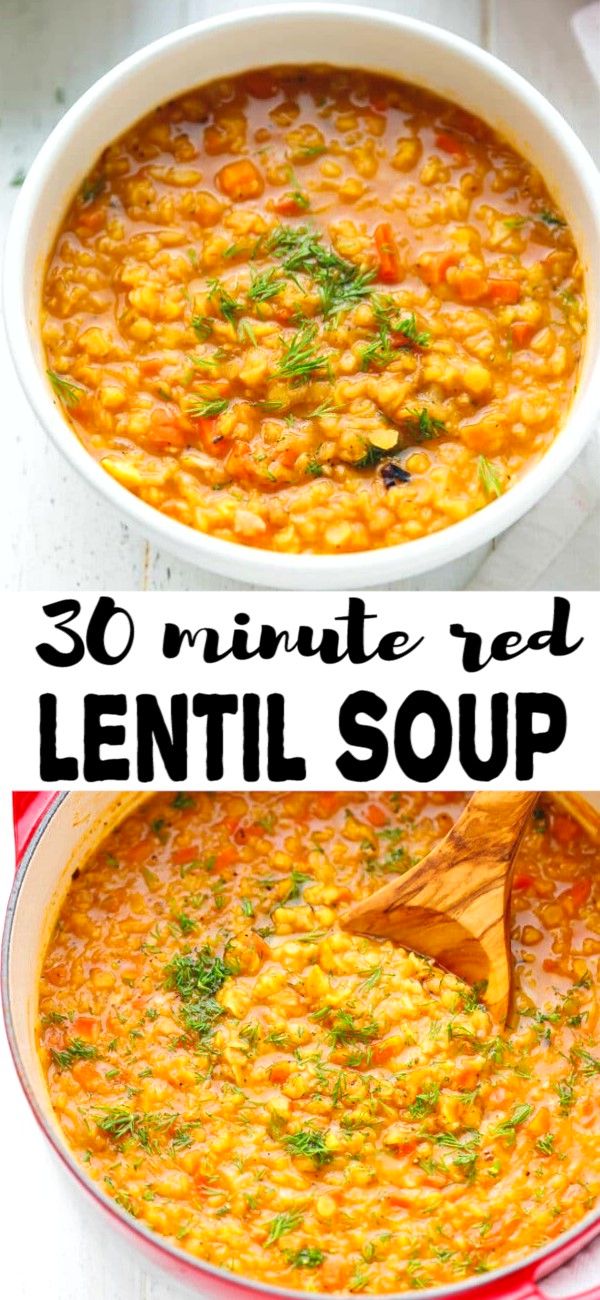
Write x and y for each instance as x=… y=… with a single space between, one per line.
x=297 y=33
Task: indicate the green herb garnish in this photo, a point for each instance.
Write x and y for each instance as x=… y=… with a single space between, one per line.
x=489 y=477
x=70 y=394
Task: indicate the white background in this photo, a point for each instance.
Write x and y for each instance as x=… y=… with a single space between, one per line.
x=54 y=531
x=313 y=691
x=52 y=1246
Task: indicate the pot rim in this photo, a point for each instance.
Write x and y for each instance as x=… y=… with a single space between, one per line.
x=254 y=564
x=521 y=1271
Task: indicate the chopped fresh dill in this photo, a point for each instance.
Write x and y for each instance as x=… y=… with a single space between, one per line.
x=519 y=1116
x=309 y=1142
x=264 y=285
x=545 y=1144
x=306 y=1257
x=300 y=361
x=183 y=800
x=489 y=477
x=70 y=394
x=121 y=1124
x=422 y=424
x=551 y=218
x=229 y=307
x=281 y=1224
x=202 y=327
x=424 y=1102
x=76 y=1050
x=300 y=250
x=207 y=407
x=344 y=1029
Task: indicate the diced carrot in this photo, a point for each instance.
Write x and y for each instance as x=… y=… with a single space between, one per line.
x=86 y=1027
x=261 y=85
x=92 y=218
x=325 y=804
x=289 y=206
x=240 y=180
x=451 y=144
x=434 y=267
x=280 y=1071
x=581 y=890
x=376 y=816
x=565 y=828
x=522 y=332
x=149 y=365
x=87 y=1075
x=389 y=269
x=165 y=430
x=522 y=881
x=335 y=1272
x=179 y=856
x=225 y=857
x=260 y=945
x=508 y=291
x=231 y=824
x=211 y=439
x=471 y=286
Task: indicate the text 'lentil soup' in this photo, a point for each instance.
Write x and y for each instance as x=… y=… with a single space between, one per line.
x=314 y=310
x=306 y=1107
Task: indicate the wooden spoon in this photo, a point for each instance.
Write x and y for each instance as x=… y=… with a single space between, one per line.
x=454 y=904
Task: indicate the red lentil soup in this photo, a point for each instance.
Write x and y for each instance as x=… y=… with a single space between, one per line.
x=306 y=1107
x=314 y=310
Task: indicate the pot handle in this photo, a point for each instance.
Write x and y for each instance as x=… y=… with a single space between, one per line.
x=29 y=807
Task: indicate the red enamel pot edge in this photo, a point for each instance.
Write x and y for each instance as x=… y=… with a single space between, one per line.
x=33 y=814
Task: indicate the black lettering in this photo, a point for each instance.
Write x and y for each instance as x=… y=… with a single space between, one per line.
x=362 y=736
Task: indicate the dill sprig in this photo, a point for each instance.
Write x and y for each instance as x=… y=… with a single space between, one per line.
x=281 y=1224
x=76 y=1050
x=300 y=250
x=489 y=478
x=229 y=307
x=205 y=406
x=422 y=424
x=70 y=394
x=264 y=285
x=424 y=1102
x=309 y=1142
x=300 y=360
x=121 y=1124
x=306 y=1257
x=200 y=972
x=344 y=1029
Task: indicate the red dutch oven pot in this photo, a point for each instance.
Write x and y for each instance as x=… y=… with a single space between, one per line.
x=54 y=834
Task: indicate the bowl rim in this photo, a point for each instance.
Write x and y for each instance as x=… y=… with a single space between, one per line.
x=521 y=1271
x=231 y=558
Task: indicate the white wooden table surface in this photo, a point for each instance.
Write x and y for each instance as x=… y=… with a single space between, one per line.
x=54 y=531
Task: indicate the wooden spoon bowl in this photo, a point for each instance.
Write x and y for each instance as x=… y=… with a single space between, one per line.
x=454 y=904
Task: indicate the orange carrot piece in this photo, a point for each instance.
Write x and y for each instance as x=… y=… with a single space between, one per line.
x=580 y=891
x=289 y=206
x=565 y=828
x=451 y=144
x=522 y=881
x=508 y=291
x=389 y=269
x=240 y=180
x=376 y=816
x=522 y=332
